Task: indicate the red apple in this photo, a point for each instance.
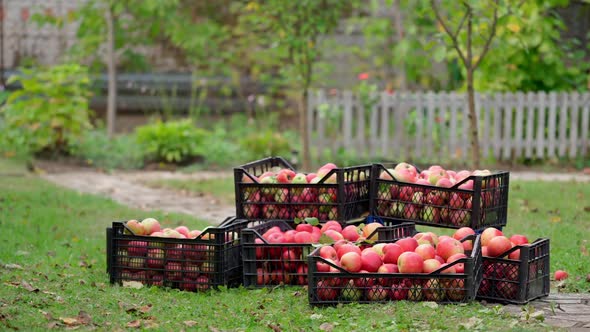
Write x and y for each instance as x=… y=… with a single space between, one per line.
x=391 y=252
x=183 y=230
x=150 y=225
x=448 y=248
x=350 y=233
x=561 y=275
x=369 y=232
x=347 y=247
x=431 y=265
x=370 y=261
x=377 y=293
x=328 y=252
x=463 y=232
x=407 y=244
x=136 y=227
x=304 y=228
x=303 y=237
x=488 y=234
x=285 y=176
x=426 y=251
x=332 y=224
x=498 y=245
x=351 y=261
x=410 y=262
x=459 y=267
x=334 y=235
x=324 y=267
x=387 y=269
x=434 y=290
x=518 y=239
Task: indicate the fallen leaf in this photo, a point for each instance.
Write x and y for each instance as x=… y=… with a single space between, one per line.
x=47 y=315
x=51 y=253
x=84 y=318
x=587 y=209
x=588 y=278
x=145 y=308
x=326 y=327
x=82 y=282
x=430 y=304
x=24 y=284
x=12 y=266
x=190 y=323
x=52 y=325
x=316 y=316
x=275 y=328
x=471 y=323
x=70 y=321
x=133 y=284
x=556 y=219
x=297 y=293
x=134 y=324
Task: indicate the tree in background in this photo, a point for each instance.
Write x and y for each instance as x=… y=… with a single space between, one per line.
x=296 y=27
x=468 y=22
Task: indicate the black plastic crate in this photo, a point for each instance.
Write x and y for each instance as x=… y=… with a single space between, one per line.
x=331 y=288
x=342 y=194
x=212 y=259
x=517 y=281
x=484 y=206
x=266 y=264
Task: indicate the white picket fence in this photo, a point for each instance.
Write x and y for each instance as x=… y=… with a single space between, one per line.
x=429 y=126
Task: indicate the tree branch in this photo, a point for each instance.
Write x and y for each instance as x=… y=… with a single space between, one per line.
x=486 y=46
x=460 y=25
x=448 y=31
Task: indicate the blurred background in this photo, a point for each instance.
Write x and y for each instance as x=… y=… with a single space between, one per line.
x=218 y=83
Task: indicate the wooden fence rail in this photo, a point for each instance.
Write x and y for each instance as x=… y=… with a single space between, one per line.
x=432 y=127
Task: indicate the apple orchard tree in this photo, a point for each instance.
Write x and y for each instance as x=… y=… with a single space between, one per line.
x=296 y=27
x=470 y=27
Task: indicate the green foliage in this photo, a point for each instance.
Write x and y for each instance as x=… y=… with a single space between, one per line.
x=96 y=149
x=222 y=151
x=266 y=143
x=530 y=53
x=49 y=112
x=173 y=142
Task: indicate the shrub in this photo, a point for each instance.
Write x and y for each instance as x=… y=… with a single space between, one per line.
x=96 y=149
x=220 y=151
x=172 y=142
x=48 y=112
x=266 y=143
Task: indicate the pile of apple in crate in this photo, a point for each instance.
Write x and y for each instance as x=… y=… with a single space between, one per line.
x=349 y=235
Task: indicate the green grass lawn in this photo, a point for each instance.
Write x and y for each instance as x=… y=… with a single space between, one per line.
x=222 y=188
x=52 y=273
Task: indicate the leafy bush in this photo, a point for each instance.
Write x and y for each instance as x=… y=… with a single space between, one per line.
x=96 y=149
x=266 y=143
x=49 y=112
x=221 y=151
x=173 y=142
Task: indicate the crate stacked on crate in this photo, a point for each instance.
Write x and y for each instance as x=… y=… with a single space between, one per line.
x=514 y=271
x=195 y=261
x=397 y=271
x=436 y=197
x=270 y=189
x=276 y=252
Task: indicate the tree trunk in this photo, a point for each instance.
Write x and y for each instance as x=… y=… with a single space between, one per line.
x=303 y=131
x=112 y=74
x=474 y=137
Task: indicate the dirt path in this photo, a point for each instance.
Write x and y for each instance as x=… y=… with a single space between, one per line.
x=127 y=189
